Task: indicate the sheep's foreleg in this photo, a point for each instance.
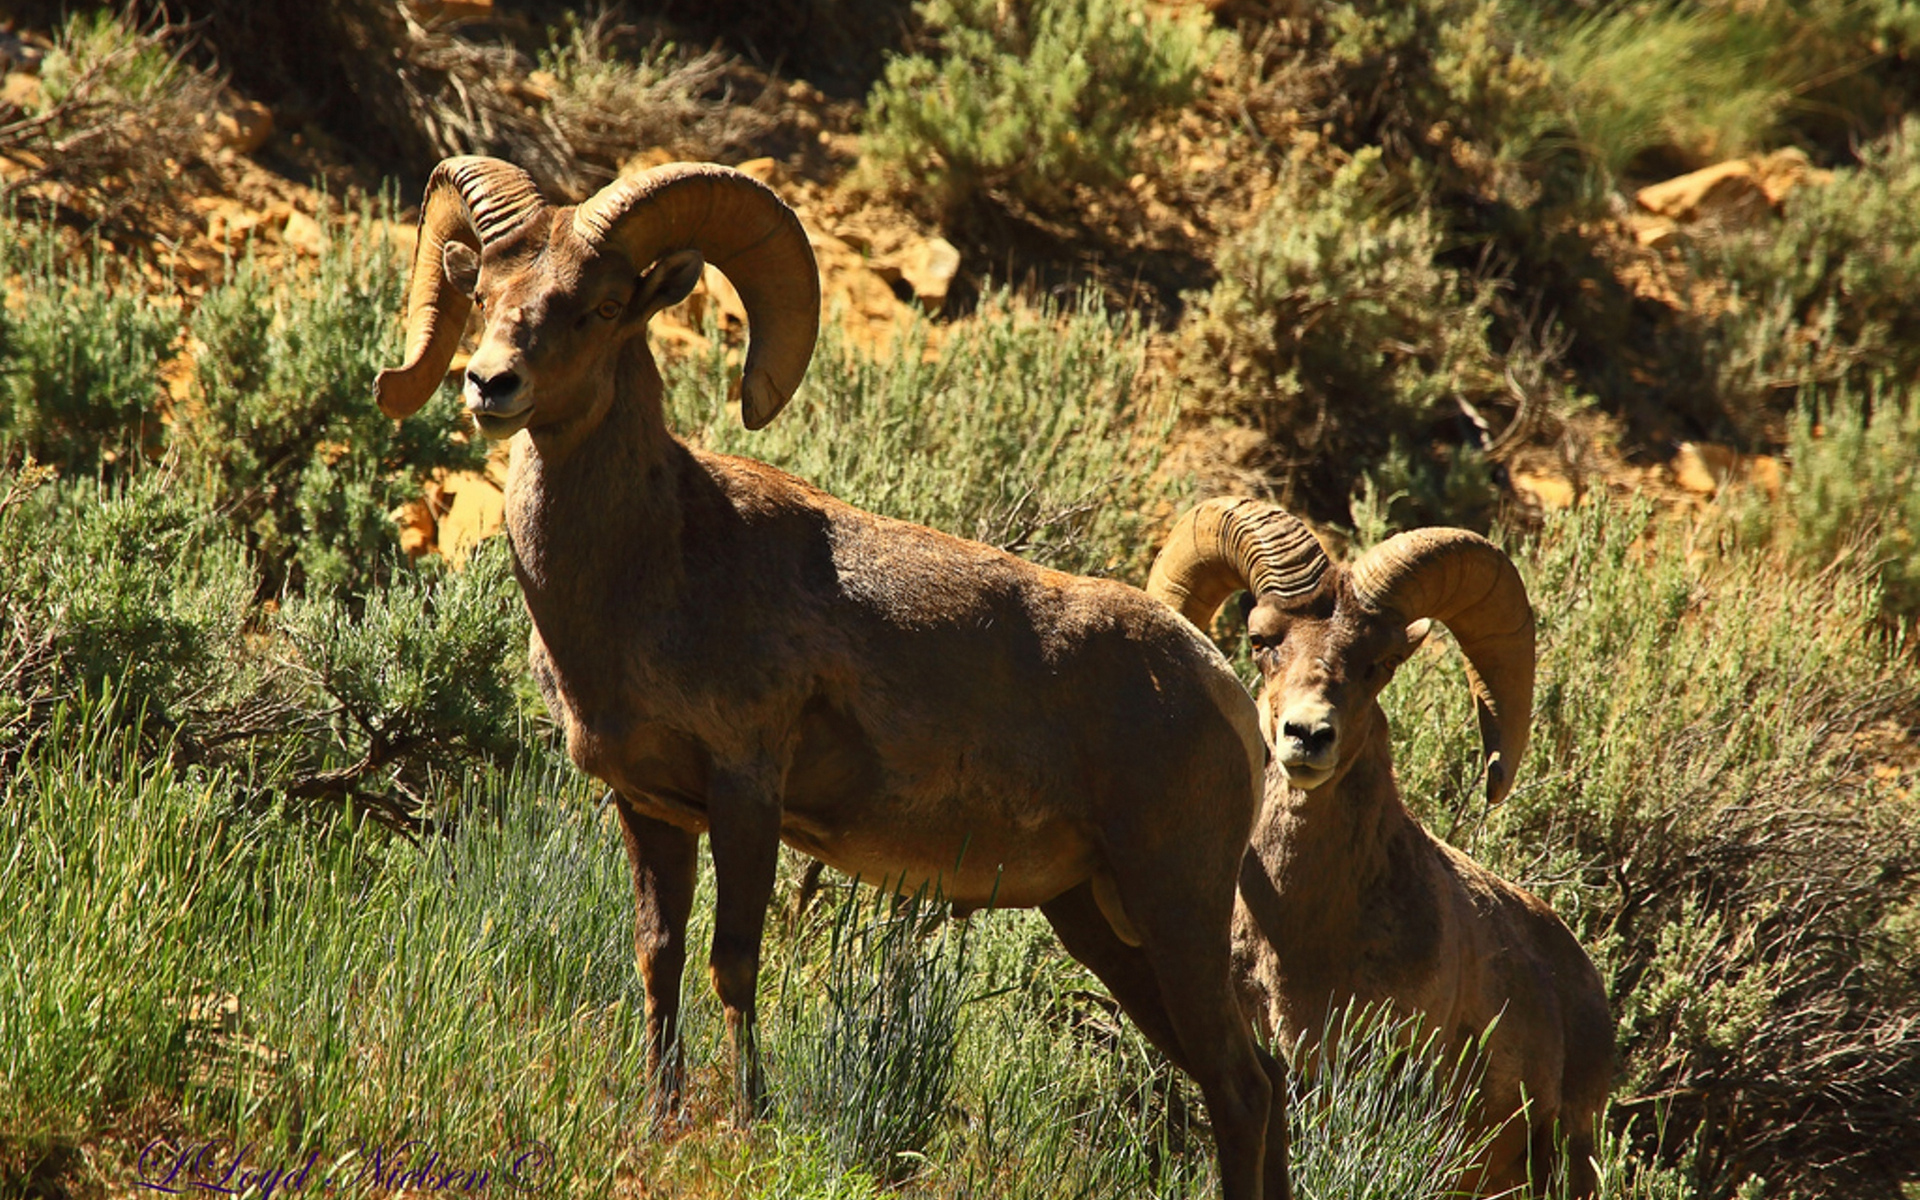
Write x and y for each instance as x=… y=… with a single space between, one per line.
x=665 y=864
x=744 y=832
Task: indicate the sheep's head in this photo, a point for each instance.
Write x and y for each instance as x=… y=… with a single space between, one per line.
x=562 y=289
x=1327 y=638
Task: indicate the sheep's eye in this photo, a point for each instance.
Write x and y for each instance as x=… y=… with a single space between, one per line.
x=609 y=309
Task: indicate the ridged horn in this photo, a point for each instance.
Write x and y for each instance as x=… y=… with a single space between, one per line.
x=1223 y=545
x=742 y=227
x=1469 y=585
x=469 y=199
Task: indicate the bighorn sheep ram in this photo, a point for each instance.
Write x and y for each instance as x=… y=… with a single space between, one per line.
x=735 y=652
x=1377 y=910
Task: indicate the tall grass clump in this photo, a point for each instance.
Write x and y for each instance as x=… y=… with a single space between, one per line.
x=111 y=881
x=1021 y=101
x=1380 y=1115
x=1697 y=806
x=868 y=1059
x=1026 y=429
x=1695 y=83
x=186 y=967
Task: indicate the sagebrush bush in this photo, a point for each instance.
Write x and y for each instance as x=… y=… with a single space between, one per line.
x=1024 y=99
x=1337 y=334
x=1829 y=295
x=128 y=586
x=80 y=355
x=1851 y=497
x=280 y=433
x=1027 y=429
x=610 y=102
x=116 y=121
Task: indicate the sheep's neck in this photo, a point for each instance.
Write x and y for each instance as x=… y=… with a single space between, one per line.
x=1328 y=849
x=608 y=479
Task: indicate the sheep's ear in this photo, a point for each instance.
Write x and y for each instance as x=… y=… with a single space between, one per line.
x=462 y=267
x=667 y=282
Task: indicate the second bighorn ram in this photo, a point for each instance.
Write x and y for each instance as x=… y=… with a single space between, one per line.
x=737 y=653
x=1351 y=899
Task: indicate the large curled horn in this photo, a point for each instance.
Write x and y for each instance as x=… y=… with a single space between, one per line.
x=742 y=227
x=1223 y=545
x=1468 y=584
x=469 y=199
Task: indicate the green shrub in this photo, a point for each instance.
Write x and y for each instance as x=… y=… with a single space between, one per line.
x=282 y=433
x=1026 y=429
x=1337 y=333
x=1851 y=499
x=1854 y=490
x=141 y=589
x=80 y=356
x=398 y=692
x=1025 y=99
x=128 y=586
x=1828 y=296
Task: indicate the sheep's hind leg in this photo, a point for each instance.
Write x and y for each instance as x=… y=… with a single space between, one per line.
x=1129 y=974
x=665 y=864
x=744 y=837
x=1084 y=930
x=1186 y=939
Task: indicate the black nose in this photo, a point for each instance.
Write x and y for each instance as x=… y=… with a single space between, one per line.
x=495 y=388
x=1311 y=738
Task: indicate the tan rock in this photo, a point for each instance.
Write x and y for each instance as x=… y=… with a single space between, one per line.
x=242 y=125
x=20 y=90
x=1655 y=233
x=1784 y=171
x=645 y=160
x=861 y=297
x=1548 y=491
x=1704 y=468
x=928 y=267
x=475 y=510
x=304 y=234
x=1729 y=193
x=766 y=170
x=415 y=519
